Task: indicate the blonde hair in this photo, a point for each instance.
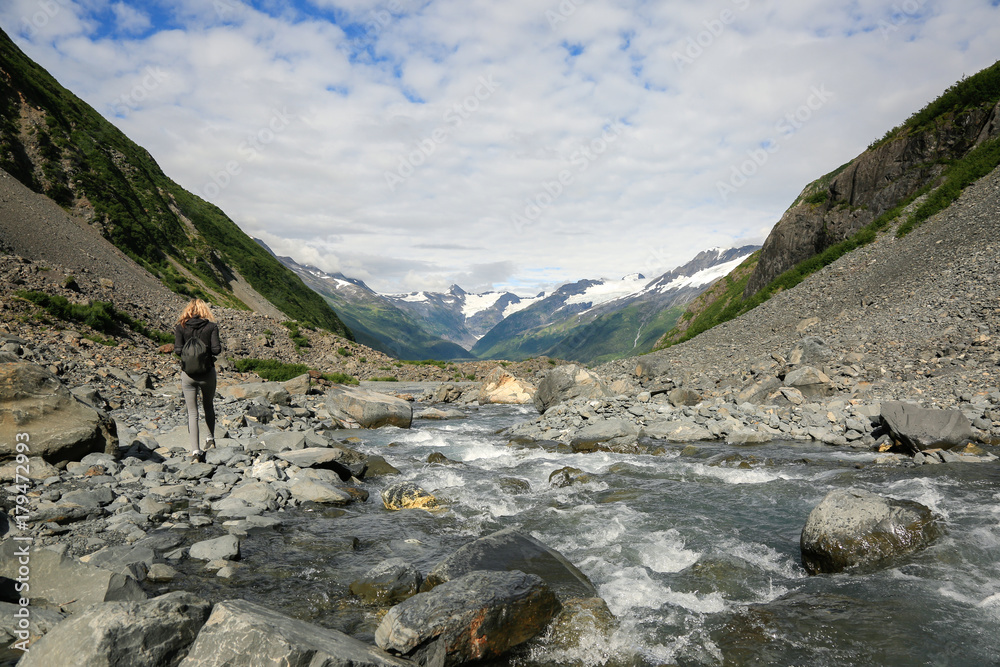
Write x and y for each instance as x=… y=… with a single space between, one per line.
x=195 y=308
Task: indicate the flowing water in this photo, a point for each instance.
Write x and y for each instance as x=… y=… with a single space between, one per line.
x=696 y=553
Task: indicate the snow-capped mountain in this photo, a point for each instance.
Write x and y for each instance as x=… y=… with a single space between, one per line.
x=457 y=315
x=595 y=320
x=588 y=320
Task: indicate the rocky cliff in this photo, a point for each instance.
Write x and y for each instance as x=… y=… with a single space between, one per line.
x=838 y=205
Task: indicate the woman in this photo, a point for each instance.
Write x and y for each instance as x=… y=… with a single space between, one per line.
x=197 y=322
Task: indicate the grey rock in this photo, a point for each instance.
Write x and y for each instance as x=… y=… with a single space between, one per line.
x=811 y=350
x=390 y=582
x=356 y=407
x=119 y=558
x=681 y=397
x=510 y=550
x=565 y=383
x=917 y=428
x=315 y=491
x=478 y=616
x=61 y=427
x=856 y=529
x=226 y=547
x=67 y=582
x=243 y=633
x=609 y=432
x=154 y=632
x=675 y=430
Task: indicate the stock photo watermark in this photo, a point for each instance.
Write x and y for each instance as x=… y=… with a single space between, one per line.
x=452 y=119
x=125 y=104
x=21 y=515
x=903 y=13
x=705 y=39
x=786 y=126
x=551 y=190
x=249 y=149
x=562 y=13
x=36 y=21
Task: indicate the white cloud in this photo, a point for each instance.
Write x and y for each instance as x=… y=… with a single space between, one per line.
x=291 y=123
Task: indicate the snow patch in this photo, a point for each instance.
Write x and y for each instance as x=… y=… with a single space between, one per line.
x=518 y=306
x=477 y=303
x=703 y=277
x=610 y=290
x=413 y=297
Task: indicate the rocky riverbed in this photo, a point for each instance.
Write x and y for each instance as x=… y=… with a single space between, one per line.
x=879 y=366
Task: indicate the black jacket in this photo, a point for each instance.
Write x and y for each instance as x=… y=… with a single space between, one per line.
x=207 y=331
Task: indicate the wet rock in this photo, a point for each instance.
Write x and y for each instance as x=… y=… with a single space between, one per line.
x=315 y=491
x=439 y=458
x=510 y=550
x=917 y=429
x=67 y=582
x=226 y=547
x=567 y=476
x=567 y=382
x=478 y=616
x=514 y=485
x=603 y=434
x=407 y=495
x=583 y=627
x=377 y=466
x=243 y=633
x=390 y=582
x=34 y=401
x=154 y=632
x=361 y=408
x=502 y=387
x=853 y=529
x=439 y=415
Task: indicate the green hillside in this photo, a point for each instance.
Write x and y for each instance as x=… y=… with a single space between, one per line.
x=956 y=156
x=59 y=146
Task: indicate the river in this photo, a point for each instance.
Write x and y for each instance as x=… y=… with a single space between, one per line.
x=695 y=551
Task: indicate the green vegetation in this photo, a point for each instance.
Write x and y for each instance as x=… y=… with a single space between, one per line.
x=297 y=336
x=271 y=369
x=341 y=378
x=71 y=284
x=981 y=89
x=389 y=378
x=169 y=231
x=343 y=351
x=425 y=362
x=818 y=198
x=977 y=163
x=98 y=315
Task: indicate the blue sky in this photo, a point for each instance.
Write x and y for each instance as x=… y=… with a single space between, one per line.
x=520 y=144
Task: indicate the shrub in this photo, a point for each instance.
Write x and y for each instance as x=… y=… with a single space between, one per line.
x=271 y=369
x=390 y=378
x=341 y=378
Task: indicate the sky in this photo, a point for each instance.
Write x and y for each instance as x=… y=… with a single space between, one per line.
x=510 y=144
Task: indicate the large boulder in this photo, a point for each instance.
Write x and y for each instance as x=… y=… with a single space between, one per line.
x=676 y=430
x=388 y=583
x=605 y=434
x=65 y=581
x=856 y=529
x=509 y=550
x=811 y=382
x=478 y=616
x=273 y=392
x=917 y=429
x=154 y=632
x=565 y=383
x=243 y=633
x=407 y=495
x=60 y=427
x=810 y=350
x=502 y=387
x=353 y=407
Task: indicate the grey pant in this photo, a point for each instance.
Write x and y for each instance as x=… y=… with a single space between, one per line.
x=190 y=387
